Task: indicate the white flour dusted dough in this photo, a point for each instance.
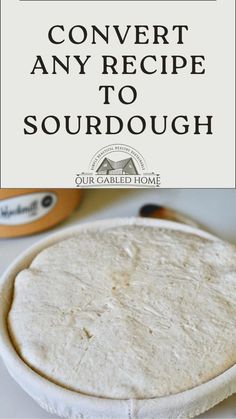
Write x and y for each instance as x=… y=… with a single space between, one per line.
x=128 y=312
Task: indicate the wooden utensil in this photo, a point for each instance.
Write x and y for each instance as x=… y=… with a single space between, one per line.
x=158 y=211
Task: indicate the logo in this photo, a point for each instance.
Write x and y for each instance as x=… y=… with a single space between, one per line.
x=117 y=165
x=27 y=208
x=47 y=201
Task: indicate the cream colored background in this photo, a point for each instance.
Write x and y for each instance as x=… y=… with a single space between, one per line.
x=182 y=161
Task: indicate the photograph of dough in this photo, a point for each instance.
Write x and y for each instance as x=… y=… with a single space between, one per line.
x=126 y=310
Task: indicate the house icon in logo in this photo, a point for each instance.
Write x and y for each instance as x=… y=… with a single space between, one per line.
x=121 y=167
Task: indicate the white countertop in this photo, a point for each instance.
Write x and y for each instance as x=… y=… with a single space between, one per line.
x=215 y=209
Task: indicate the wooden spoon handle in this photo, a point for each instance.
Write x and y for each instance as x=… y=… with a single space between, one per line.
x=158 y=211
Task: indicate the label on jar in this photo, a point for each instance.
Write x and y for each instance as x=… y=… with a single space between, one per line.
x=24 y=209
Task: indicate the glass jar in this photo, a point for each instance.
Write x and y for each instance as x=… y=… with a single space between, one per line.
x=28 y=211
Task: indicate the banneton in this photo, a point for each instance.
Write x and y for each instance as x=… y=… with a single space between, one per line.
x=128 y=312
